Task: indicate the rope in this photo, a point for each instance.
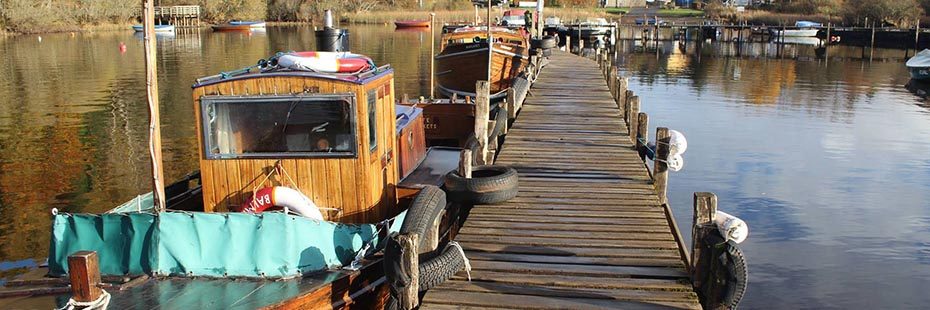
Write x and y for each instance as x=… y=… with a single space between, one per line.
x=464 y=258
x=100 y=303
x=356 y=263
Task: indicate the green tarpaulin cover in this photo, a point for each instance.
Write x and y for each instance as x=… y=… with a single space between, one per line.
x=270 y=244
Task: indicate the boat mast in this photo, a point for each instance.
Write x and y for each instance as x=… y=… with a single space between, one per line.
x=490 y=47
x=151 y=89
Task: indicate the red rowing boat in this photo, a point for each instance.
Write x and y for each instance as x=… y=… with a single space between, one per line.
x=411 y=23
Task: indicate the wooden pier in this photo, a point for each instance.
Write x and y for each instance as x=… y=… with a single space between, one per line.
x=589 y=228
x=181 y=16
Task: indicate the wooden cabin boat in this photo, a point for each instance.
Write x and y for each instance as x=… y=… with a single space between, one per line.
x=411 y=23
x=463 y=60
x=303 y=175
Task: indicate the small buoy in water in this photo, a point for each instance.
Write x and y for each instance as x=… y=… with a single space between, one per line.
x=122 y=47
x=40 y=38
x=72 y=34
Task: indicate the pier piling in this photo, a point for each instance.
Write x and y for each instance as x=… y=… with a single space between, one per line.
x=84 y=273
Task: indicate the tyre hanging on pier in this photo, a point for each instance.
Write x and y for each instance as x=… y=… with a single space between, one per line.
x=733 y=273
x=425 y=209
x=488 y=185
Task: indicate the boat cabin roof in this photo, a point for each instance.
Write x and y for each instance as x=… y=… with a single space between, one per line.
x=359 y=78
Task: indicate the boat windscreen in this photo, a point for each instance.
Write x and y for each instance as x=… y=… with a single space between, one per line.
x=279 y=126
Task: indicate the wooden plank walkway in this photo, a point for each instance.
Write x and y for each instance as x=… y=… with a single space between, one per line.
x=587 y=230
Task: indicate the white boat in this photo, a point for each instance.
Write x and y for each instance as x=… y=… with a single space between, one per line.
x=158 y=28
x=251 y=24
x=919 y=65
x=804 y=29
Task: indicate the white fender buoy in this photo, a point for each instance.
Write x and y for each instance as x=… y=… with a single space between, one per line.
x=677 y=142
x=676 y=162
x=731 y=227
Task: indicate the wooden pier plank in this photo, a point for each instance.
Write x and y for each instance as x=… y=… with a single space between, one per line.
x=587 y=230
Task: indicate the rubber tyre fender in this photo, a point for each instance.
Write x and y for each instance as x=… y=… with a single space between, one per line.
x=738 y=275
x=489 y=185
x=423 y=211
x=548 y=42
x=434 y=272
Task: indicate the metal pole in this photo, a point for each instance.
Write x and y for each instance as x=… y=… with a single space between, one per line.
x=151 y=89
x=432 y=54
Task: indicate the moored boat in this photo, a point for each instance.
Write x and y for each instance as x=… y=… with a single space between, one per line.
x=464 y=57
x=231 y=27
x=411 y=23
x=919 y=65
x=306 y=167
x=803 y=29
x=158 y=28
x=253 y=24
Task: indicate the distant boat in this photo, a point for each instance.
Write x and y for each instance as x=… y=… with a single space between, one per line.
x=804 y=29
x=411 y=23
x=464 y=60
x=231 y=27
x=158 y=28
x=919 y=65
x=251 y=23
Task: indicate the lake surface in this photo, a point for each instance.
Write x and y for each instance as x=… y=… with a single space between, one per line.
x=824 y=154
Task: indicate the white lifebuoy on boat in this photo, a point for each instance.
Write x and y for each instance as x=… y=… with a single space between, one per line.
x=330 y=62
x=284 y=197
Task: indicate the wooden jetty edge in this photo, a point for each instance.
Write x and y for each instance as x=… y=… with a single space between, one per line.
x=589 y=229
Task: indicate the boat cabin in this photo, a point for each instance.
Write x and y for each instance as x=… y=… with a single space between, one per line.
x=332 y=137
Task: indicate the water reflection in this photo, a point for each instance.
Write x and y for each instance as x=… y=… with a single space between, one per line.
x=73 y=116
x=824 y=156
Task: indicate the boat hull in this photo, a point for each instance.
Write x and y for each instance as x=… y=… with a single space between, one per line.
x=221 y=28
x=459 y=66
x=919 y=73
x=411 y=23
x=796 y=33
x=158 y=28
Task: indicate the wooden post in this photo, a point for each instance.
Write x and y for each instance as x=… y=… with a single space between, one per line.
x=410 y=259
x=702 y=258
x=642 y=134
x=917 y=36
x=465 y=164
x=626 y=106
x=828 y=33
x=872 y=46
x=660 y=171
x=622 y=92
x=84 y=272
x=634 y=118
x=482 y=107
x=151 y=79
x=511 y=104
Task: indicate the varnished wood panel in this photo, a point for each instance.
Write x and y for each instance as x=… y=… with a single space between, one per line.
x=357 y=186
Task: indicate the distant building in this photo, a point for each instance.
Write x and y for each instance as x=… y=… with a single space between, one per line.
x=623 y=3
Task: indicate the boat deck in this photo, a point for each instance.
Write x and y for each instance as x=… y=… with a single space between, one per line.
x=587 y=230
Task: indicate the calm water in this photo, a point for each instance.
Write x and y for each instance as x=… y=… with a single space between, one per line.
x=826 y=159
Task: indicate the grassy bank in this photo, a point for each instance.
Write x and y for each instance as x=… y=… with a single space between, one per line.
x=453 y=16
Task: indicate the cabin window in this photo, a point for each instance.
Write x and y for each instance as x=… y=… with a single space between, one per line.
x=372 y=119
x=280 y=126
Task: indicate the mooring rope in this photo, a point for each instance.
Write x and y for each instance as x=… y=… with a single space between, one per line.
x=464 y=258
x=100 y=303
